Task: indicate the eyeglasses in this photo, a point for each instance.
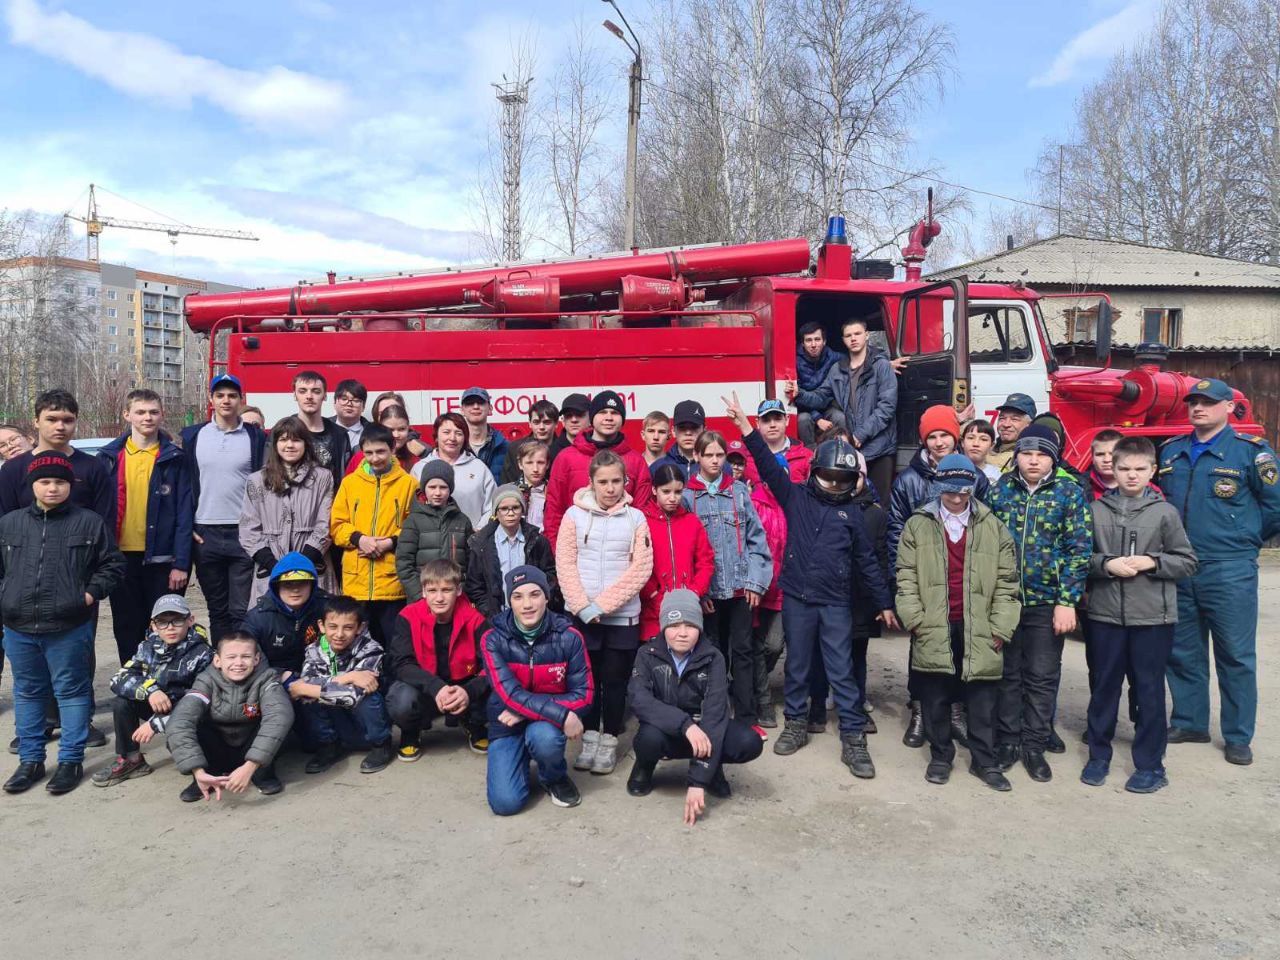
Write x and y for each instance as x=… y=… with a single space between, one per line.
x=168 y=624
x=514 y=508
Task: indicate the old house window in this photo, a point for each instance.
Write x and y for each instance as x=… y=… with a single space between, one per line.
x=1161 y=325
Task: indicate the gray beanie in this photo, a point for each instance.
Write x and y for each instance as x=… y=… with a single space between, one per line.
x=438 y=470
x=680 y=606
x=508 y=491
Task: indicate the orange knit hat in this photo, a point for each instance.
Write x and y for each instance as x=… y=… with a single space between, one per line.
x=939 y=417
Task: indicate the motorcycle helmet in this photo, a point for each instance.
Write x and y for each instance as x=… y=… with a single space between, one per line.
x=833 y=474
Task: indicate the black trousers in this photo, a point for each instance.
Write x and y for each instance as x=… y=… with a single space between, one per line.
x=128 y=715
x=1141 y=653
x=611 y=648
x=880 y=473
x=729 y=627
x=1029 y=688
x=225 y=573
x=741 y=745
x=382 y=616
x=939 y=690
x=222 y=758
x=412 y=709
x=769 y=644
x=131 y=602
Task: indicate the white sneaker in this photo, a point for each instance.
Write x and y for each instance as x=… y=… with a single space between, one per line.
x=606 y=754
x=590 y=744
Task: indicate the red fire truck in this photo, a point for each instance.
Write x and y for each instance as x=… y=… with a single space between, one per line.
x=686 y=323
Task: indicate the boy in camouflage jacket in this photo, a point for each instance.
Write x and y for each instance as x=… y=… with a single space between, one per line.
x=1049 y=519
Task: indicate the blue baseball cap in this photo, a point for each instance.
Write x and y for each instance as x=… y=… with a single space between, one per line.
x=226 y=379
x=476 y=393
x=956 y=474
x=1018 y=403
x=771 y=406
x=1212 y=389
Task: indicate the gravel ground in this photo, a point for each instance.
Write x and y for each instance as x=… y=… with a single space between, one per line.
x=804 y=861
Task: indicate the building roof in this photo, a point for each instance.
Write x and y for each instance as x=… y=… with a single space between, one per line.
x=90 y=266
x=1069 y=260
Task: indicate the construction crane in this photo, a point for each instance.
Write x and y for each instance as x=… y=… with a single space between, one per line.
x=94 y=224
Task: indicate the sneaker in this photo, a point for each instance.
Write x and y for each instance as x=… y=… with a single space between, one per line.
x=587 y=755
x=563 y=793
x=767 y=715
x=914 y=735
x=378 y=758
x=868 y=723
x=1182 y=735
x=410 y=749
x=606 y=758
x=121 y=769
x=1095 y=773
x=478 y=740
x=760 y=731
x=816 y=726
x=266 y=781
x=938 y=771
x=1146 y=781
x=719 y=785
x=640 y=783
x=1238 y=753
x=855 y=755
x=993 y=778
x=24 y=778
x=795 y=734
x=191 y=793
x=96 y=737
x=326 y=755
x=1055 y=744
x=65 y=779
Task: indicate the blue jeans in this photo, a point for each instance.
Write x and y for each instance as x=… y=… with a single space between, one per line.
x=820 y=633
x=363 y=726
x=507 y=781
x=57 y=665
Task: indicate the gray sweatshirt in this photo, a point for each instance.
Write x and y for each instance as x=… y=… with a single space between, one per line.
x=1134 y=526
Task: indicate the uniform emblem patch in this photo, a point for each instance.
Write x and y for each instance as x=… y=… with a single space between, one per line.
x=1225 y=487
x=1202 y=385
x=251 y=711
x=1268 y=471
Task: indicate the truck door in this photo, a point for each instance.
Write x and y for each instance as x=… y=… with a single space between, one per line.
x=938 y=367
x=1006 y=356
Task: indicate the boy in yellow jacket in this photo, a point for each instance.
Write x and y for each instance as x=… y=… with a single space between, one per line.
x=368 y=511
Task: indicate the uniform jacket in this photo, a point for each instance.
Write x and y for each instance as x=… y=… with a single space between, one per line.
x=412 y=657
x=1052 y=536
x=873 y=422
x=294 y=521
x=431 y=533
x=493 y=452
x=49 y=561
x=991 y=607
x=603 y=559
x=742 y=554
x=571 y=472
x=545 y=678
x=673 y=703
x=157 y=666
x=916 y=485
x=171 y=509
x=1230 y=500
x=320 y=664
x=1136 y=526
x=283 y=634
x=473 y=486
x=682 y=557
x=374 y=506
x=257 y=709
x=190 y=438
x=484 y=586
x=826 y=542
x=92 y=490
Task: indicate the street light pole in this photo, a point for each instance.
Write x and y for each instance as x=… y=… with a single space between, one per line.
x=633 y=124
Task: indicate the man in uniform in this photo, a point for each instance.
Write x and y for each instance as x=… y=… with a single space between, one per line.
x=1225 y=486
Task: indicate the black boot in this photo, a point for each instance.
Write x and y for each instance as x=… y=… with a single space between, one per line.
x=938 y=771
x=24 y=778
x=640 y=783
x=914 y=737
x=959 y=724
x=1055 y=744
x=719 y=785
x=66 y=778
x=1006 y=756
x=266 y=780
x=855 y=755
x=1037 y=766
x=325 y=757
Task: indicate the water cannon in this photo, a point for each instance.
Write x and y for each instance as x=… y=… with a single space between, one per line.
x=918 y=241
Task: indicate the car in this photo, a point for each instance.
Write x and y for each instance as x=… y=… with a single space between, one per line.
x=91 y=445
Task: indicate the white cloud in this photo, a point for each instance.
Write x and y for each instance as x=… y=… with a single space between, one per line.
x=152 y=69
x=1099 y=42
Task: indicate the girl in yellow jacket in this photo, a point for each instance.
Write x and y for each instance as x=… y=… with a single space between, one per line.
x=368 y=512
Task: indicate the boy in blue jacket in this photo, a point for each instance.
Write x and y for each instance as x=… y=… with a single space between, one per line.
x=829 y=559
x=537 y=663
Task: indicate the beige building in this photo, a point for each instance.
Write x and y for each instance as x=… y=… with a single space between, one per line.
x=1183 y=300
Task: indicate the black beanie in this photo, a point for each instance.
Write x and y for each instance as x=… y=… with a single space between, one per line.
x=50 y=466
x=608 y=400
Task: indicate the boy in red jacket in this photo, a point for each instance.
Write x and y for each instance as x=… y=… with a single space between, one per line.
x=435 y=663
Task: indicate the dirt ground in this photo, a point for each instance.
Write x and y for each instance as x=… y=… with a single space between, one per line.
x=804 y=861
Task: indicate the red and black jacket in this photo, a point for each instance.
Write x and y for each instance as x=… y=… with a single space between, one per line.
x=544 y=679
x=413 y=649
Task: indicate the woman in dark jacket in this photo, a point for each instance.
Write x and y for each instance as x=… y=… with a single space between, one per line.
x=484 y=582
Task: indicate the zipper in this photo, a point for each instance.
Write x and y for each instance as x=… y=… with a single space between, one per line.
x=671 y=545
x=44 y=534
x=373 y=528
x=1131 y=536
x=1022 y=543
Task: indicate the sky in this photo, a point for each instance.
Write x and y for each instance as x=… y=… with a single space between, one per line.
x=348 y=135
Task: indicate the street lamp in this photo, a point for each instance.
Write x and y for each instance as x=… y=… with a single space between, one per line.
x=633 y=123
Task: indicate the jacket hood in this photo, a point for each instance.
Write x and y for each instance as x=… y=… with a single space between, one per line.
x=702 y=651
x=695 y=481
x=866 y=495
x=1116 y=502
x=675 y=454
x=933 y=508
x=395 y=470
x=292 y=562
x=585 y=444
x=491 y=528
x=506 y=622
x=655 y=512
x=586 y=499
x=220 y=680
x=167 y=447
x=922 y=465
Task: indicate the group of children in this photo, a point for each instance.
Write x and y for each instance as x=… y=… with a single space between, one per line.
x=394 y=588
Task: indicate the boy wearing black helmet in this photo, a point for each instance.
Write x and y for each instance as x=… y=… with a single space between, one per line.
x=829 y=558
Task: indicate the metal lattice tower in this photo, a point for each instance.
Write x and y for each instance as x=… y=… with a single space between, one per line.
x=514 y=97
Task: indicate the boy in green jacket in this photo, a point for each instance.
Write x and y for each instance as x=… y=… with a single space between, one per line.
x=958 y=597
